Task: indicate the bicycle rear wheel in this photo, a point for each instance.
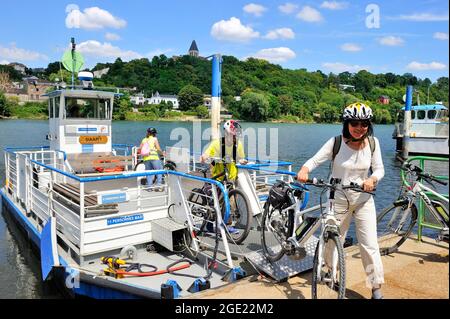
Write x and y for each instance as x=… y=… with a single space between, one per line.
x=239 y=223
x=274 y=232
x=394 y=225
x=328 y=282
x=198 y=204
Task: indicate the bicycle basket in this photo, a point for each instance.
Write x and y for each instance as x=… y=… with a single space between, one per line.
x=279 y=195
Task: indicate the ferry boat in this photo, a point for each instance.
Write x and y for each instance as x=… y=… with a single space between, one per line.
x=428 y=130
x=103 y=233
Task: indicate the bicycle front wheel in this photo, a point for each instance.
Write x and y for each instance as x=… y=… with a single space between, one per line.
x=239 y=223
x=394 y=225
x=328 y=281
x=274 y=232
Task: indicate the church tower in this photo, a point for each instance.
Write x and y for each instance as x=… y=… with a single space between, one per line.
x=193 y=50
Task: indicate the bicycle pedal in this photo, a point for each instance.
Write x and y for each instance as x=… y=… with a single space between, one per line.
x=298 y=254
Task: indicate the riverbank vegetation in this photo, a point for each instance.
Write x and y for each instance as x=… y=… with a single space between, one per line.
x=256 y=90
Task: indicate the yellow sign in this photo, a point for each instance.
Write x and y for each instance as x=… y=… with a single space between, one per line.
x=93 y=139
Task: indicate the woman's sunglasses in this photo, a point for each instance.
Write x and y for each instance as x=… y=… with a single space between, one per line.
x=363 y=124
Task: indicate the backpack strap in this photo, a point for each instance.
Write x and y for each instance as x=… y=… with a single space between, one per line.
x=222 y=154
x=372 y=144
x=336 y=146
x=234 y=149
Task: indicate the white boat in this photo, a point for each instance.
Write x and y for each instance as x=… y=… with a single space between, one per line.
x=428 y=130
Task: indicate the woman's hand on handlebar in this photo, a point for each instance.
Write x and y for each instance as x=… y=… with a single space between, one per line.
x=302 y=175
x=369 y=185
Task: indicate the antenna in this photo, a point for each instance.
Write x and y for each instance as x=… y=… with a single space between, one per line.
x=72 y=60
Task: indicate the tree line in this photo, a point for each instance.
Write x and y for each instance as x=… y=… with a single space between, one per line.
x=266 y=90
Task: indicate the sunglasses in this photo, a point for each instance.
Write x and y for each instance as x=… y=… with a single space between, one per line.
x=363 y=124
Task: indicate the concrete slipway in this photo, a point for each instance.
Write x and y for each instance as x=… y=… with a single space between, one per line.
x=419 y=270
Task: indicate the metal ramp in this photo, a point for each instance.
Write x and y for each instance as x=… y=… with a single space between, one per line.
x=285 y=267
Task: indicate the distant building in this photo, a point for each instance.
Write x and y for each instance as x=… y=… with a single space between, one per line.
x=207 y=102
x=383 y=99
x=99 y=73
x=346 y=86
x=193 y=50
x=30 y=89
x=138 y=99
x=158 y=98
x=19 y=67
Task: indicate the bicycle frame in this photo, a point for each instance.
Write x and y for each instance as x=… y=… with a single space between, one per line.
x=420 y=189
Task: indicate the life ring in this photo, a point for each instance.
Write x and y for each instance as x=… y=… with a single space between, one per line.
x=100 y=169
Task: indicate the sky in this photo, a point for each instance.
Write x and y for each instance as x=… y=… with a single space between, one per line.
x=396 y=36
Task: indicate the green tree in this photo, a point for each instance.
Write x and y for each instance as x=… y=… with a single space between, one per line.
x=286 y=103
x=4 y=105
x=202 y=111
x=190 y=97
x=254 y=107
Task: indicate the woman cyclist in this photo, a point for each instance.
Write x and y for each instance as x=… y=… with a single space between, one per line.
x=359 y=152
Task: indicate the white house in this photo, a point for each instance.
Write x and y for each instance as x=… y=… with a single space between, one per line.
x=138 y=99
x=158 y=98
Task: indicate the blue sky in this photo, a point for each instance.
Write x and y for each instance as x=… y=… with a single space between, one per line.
x=333 y=36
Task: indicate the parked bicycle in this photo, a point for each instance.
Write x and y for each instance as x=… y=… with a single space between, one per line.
x=239 y=221
x=396 y=222
x=286 y=229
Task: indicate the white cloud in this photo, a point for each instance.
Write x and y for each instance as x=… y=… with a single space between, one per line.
x=288 y=8
x=112 y=36
x=4 y=62
x=106 y=50
x=422 y=17
x=275 y=55
x=416 y=66
x=255 y=9
x=391 y=41
x=92 y=19
x=282 y=33
x=334 y=5
x=350 y=47
x=14 y=53
x=338 y=67
x=309 y=14
x=232 y=30
x=440 y=36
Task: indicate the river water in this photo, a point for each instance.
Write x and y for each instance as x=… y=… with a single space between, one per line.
x=19 y=264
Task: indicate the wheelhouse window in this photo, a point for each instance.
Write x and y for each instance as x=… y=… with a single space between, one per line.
x=84 y=108
x=421 y=114
x=431 y=114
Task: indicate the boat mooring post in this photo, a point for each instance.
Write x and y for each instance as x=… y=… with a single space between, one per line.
x=216 y=92
x=407 y=121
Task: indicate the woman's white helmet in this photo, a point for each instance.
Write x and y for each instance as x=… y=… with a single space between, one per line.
x=357 y=111
x=232 y=127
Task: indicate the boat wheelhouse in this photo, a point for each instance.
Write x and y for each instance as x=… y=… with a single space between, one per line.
x=428 y=131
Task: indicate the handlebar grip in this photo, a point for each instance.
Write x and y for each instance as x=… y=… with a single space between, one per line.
x=440 y=182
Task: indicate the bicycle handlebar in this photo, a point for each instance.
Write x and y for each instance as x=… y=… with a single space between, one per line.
x=418 y=171
x=334 y=185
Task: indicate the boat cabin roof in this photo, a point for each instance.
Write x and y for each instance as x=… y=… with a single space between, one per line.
x=82 y=94
x=427 y=107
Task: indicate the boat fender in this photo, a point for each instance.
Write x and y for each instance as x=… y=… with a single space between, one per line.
x=199 y=284
x=170 y=290
x=234 y=274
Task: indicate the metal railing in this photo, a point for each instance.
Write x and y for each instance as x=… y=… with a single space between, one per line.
x=421 y=218
x=83 y=207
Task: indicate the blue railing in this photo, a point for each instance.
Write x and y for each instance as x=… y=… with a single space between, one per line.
x=144 y=174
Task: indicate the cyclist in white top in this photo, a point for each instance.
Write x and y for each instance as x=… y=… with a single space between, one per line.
x=352 y=161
